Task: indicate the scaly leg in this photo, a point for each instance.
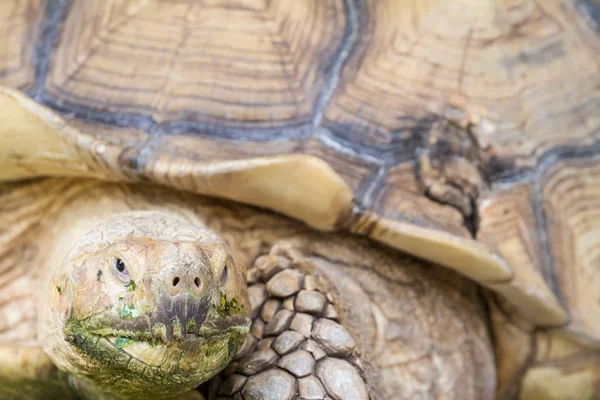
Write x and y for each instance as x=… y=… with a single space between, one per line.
x=339 y=319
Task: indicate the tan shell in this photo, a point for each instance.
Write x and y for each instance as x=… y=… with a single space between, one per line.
x=463 y=132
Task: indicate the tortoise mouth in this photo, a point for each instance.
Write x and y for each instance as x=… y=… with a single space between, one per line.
x=211 y=329
x=124 y=339
x=204 y=353
x=126 y=360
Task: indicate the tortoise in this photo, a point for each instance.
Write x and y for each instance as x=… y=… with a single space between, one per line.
x=396 y=200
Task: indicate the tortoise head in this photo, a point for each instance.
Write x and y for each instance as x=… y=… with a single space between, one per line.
x=146 y=303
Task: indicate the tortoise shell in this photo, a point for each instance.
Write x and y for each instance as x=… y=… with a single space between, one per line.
x=463 y=132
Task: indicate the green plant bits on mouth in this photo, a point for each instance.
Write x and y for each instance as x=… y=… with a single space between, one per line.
x=129 y=311
x=227 y=306
x=59 y=290
x=191 y=324
x=230 y=347
x=131 y=286
x=121 y=342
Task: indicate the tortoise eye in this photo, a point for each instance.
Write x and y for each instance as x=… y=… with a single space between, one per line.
x=120 y=270
x=224 y=274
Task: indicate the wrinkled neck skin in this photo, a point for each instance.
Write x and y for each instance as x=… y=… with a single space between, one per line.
x=138 y=301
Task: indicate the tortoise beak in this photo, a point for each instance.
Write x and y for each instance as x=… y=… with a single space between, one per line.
x=184 y=315
x=180 y=315
x=217 y=325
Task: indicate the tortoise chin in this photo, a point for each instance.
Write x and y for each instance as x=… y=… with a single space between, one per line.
x=146 y=304
x=136 y=363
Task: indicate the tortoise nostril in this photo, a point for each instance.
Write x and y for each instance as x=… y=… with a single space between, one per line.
x=175 y=281
x=197 y=281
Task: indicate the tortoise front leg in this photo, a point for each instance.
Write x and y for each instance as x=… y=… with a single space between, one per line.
x=296 y=347
x=343 y=321
x=28 y=373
